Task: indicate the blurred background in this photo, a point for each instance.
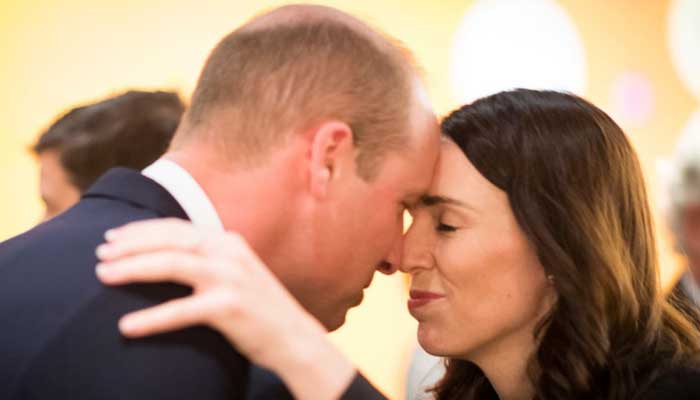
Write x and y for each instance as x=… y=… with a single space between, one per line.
x=638 y=60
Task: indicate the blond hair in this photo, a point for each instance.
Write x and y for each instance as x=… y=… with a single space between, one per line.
x=288 y=77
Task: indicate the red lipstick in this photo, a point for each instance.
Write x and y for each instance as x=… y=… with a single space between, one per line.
x=419 y=298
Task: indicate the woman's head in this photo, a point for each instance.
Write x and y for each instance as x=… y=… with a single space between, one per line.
x=556 y=248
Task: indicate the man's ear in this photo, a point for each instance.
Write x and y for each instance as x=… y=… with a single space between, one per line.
x=331 y=148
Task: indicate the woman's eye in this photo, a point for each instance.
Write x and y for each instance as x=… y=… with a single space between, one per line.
x=445 y=228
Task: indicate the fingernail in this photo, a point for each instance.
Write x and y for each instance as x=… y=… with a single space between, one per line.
x=128 y=326
x=102 y=270
x=111 y=234
x=102 y=251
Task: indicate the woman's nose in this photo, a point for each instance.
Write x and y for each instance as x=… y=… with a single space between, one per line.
x=417 y=248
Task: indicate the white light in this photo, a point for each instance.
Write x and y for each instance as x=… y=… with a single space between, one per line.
x=684 y=42
x=506 y=44
x=687 y=153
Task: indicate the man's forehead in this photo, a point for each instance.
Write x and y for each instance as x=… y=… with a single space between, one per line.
x=421 y=96
x=418 y=170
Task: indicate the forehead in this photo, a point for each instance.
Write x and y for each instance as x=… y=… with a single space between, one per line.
x=53 y=174
x=49 y=159
x=413 y=166
x=410 y=169
x=50 y=167
x=457 y=178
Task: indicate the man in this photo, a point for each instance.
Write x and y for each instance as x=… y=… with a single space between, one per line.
x=307 y=133
x=685 y=217
x=129 y=130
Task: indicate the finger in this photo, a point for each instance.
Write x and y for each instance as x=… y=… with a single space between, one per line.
x=145 y=226
x=147 y=236
x=166 y=317
x=163 y=266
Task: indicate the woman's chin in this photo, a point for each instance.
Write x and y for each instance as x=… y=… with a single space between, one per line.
x=430 y=342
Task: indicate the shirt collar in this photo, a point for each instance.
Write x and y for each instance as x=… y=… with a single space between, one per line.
x=186 y=191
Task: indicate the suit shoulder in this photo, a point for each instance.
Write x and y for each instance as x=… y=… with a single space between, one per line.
x=88 y=354
x=86 y=221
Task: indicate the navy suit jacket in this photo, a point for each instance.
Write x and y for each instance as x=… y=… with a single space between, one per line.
x=59 y=337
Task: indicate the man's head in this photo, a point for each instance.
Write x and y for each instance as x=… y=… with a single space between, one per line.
x=130 y=130
x=316 y=132
x=296 y=67
x=685 y=197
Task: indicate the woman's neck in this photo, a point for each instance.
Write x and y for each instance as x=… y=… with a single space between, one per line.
x=510 y=379
x=506 y=365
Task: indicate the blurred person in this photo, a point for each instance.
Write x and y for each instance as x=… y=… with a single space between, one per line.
x=289 y=135
x=684 y=215
x=131 y=130
x=532 y=256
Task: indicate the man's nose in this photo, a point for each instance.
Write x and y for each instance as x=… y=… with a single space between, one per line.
x=393 y=261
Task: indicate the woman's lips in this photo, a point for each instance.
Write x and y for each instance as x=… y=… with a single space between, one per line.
x=419 y=298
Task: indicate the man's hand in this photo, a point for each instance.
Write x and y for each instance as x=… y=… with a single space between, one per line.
x=233 y=292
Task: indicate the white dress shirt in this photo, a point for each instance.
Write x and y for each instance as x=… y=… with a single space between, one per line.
x=423 y=373
x=186 y=191
x=690 y=287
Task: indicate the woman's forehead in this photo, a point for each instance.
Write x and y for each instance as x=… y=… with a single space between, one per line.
x=458 y=179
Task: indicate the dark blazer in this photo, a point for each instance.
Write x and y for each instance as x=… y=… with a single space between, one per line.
x=680 y=383
x=676 y=384
x=59 y=336
x=265 y=385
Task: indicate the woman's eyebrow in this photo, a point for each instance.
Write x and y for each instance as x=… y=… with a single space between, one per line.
x=429 y=200
x=433 y=200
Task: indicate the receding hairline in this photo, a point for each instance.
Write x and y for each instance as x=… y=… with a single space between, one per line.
x=300 y=14
x=298 y=22
x=303 y=14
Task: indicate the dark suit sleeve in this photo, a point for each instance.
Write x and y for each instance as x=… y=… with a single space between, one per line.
x=265 y=385
x=360 y=389
x=89 y=359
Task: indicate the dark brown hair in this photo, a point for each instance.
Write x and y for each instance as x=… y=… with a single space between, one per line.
x=289 y=76
x=576 y=188
x=129 y=130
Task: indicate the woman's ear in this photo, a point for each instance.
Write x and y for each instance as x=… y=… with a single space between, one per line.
x=330 y=151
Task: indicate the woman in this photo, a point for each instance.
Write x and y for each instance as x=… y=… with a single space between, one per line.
x=550 y=260
x=533 y=262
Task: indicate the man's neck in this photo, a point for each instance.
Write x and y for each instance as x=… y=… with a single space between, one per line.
x=249 y=201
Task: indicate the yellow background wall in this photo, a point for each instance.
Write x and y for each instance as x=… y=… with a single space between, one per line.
x=56 y=54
